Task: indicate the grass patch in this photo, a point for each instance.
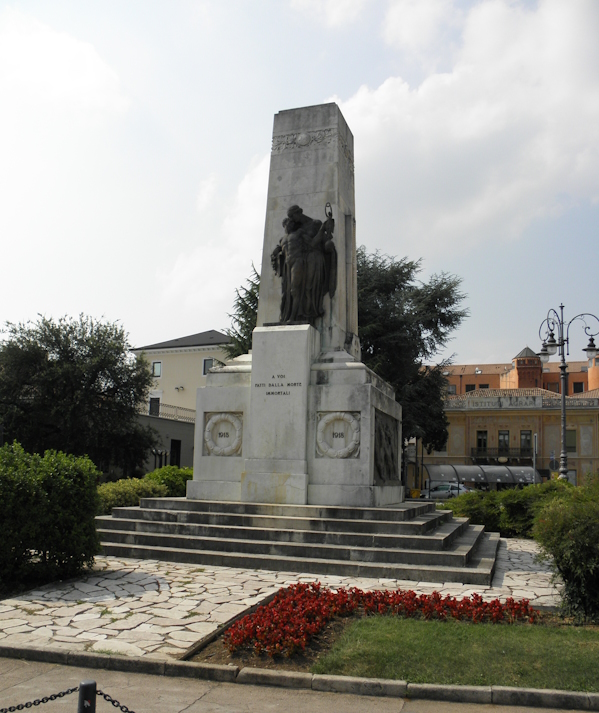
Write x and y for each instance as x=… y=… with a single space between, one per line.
x=451 y=652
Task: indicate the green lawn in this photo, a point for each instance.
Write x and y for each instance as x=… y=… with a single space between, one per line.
x=536 y=656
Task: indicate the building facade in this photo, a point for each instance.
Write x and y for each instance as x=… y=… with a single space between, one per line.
x=179 y=367
x=500 y=413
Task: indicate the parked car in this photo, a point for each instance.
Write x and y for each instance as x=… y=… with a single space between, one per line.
x=444 y=491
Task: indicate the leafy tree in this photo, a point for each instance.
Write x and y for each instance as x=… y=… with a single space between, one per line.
x=245 y=312
x=72 y=385
x=404 y=323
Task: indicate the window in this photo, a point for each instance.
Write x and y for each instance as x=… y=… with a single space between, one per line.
x=481 y=440
x=470 y=387
x=154 y=406
x=451 y=388
x=156 y=368
x=503 y=441
x=525 y=443
x=571 y=441
x=553 y=387
x=208 y=364
x=578 y=387
x=483 y=386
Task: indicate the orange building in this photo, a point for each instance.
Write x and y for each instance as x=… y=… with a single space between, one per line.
x=525 y=371
x=498 y=412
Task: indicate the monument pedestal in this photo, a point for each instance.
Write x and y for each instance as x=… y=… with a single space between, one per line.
x=296 y=426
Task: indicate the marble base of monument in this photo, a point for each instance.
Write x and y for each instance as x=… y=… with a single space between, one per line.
x=293 y=425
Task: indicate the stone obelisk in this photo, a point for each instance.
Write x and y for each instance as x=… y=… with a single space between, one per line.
x=301 y=420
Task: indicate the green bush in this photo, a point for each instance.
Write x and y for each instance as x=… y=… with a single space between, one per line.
x=174 y=478
x=127 y=493
x=510 y=512
x=481 y=507
x=567 y=529
x=47 y=509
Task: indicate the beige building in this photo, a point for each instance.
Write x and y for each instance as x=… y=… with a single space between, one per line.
x=179 y=367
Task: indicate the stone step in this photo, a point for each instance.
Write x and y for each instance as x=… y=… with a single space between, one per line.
x=269 y=529
x=457 y=556
x=399 y=512
x=478 y=572
x=423 y=523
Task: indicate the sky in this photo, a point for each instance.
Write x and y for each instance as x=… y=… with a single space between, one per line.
x=135 y=141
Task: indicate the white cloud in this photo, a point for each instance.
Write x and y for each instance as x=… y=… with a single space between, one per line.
x=334 y=13
x=205 y=279
x=42 y=67
x=206 y=193
x=416 y=26
x=473 y=156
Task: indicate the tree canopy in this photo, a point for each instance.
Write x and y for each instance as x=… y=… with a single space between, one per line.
x=403 y=324
x=73 y=385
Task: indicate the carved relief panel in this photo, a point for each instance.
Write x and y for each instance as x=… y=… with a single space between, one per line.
x=386 y=447
x=223 y=433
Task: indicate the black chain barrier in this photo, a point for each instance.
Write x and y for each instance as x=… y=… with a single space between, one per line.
x=116 y=704
x=38 y=701
x=62 y=694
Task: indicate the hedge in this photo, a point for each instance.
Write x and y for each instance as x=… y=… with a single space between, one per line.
x=47 y=509
x=127 y=493
x=567 y=529
x=510 y=512
x=174 y=478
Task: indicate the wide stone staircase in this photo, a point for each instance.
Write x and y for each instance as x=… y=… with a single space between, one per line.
x=412 y=541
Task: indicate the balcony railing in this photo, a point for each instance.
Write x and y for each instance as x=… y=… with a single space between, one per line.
x=172 y=413
x=501 y=452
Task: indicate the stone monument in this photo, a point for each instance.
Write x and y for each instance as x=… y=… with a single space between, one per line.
x=301 y=420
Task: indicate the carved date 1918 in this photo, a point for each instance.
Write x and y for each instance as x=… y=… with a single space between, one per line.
x=338 y=435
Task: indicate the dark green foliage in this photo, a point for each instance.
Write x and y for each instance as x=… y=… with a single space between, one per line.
x=73 y=386
x=245 y=313
x=481 y=507
x=174 y=478
x=404 y=323
x=127 y=493
x=47 y=509
x=567 y=529
x=510 y=512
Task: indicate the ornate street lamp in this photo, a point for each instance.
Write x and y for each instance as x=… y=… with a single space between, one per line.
x=553 y=323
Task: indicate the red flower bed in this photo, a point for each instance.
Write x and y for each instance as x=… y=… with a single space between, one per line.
x=299 y=612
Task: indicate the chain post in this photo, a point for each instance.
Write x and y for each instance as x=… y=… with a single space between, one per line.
x=87 y=697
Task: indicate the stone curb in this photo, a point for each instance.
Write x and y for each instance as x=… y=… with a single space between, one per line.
x=268 y=677
x=497 y=695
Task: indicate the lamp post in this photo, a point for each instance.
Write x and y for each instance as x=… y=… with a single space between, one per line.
x=553 y=323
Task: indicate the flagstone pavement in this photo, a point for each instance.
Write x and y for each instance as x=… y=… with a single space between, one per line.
x=159 y=609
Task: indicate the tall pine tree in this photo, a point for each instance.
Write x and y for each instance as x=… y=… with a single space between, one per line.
x=243 y=318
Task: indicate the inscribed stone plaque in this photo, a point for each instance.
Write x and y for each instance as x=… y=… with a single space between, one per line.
x=223 y=434
x=338 y=435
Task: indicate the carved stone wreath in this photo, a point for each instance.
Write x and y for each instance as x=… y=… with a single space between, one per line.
x=324 y=448
x=211 y=446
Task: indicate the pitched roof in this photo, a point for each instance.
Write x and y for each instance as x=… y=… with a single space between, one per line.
x=526 y=352
x=202 y=339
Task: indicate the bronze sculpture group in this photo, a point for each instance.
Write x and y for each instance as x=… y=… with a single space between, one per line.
x=306 y=261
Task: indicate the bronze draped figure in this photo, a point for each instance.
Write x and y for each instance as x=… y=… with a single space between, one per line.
x=306 y=261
